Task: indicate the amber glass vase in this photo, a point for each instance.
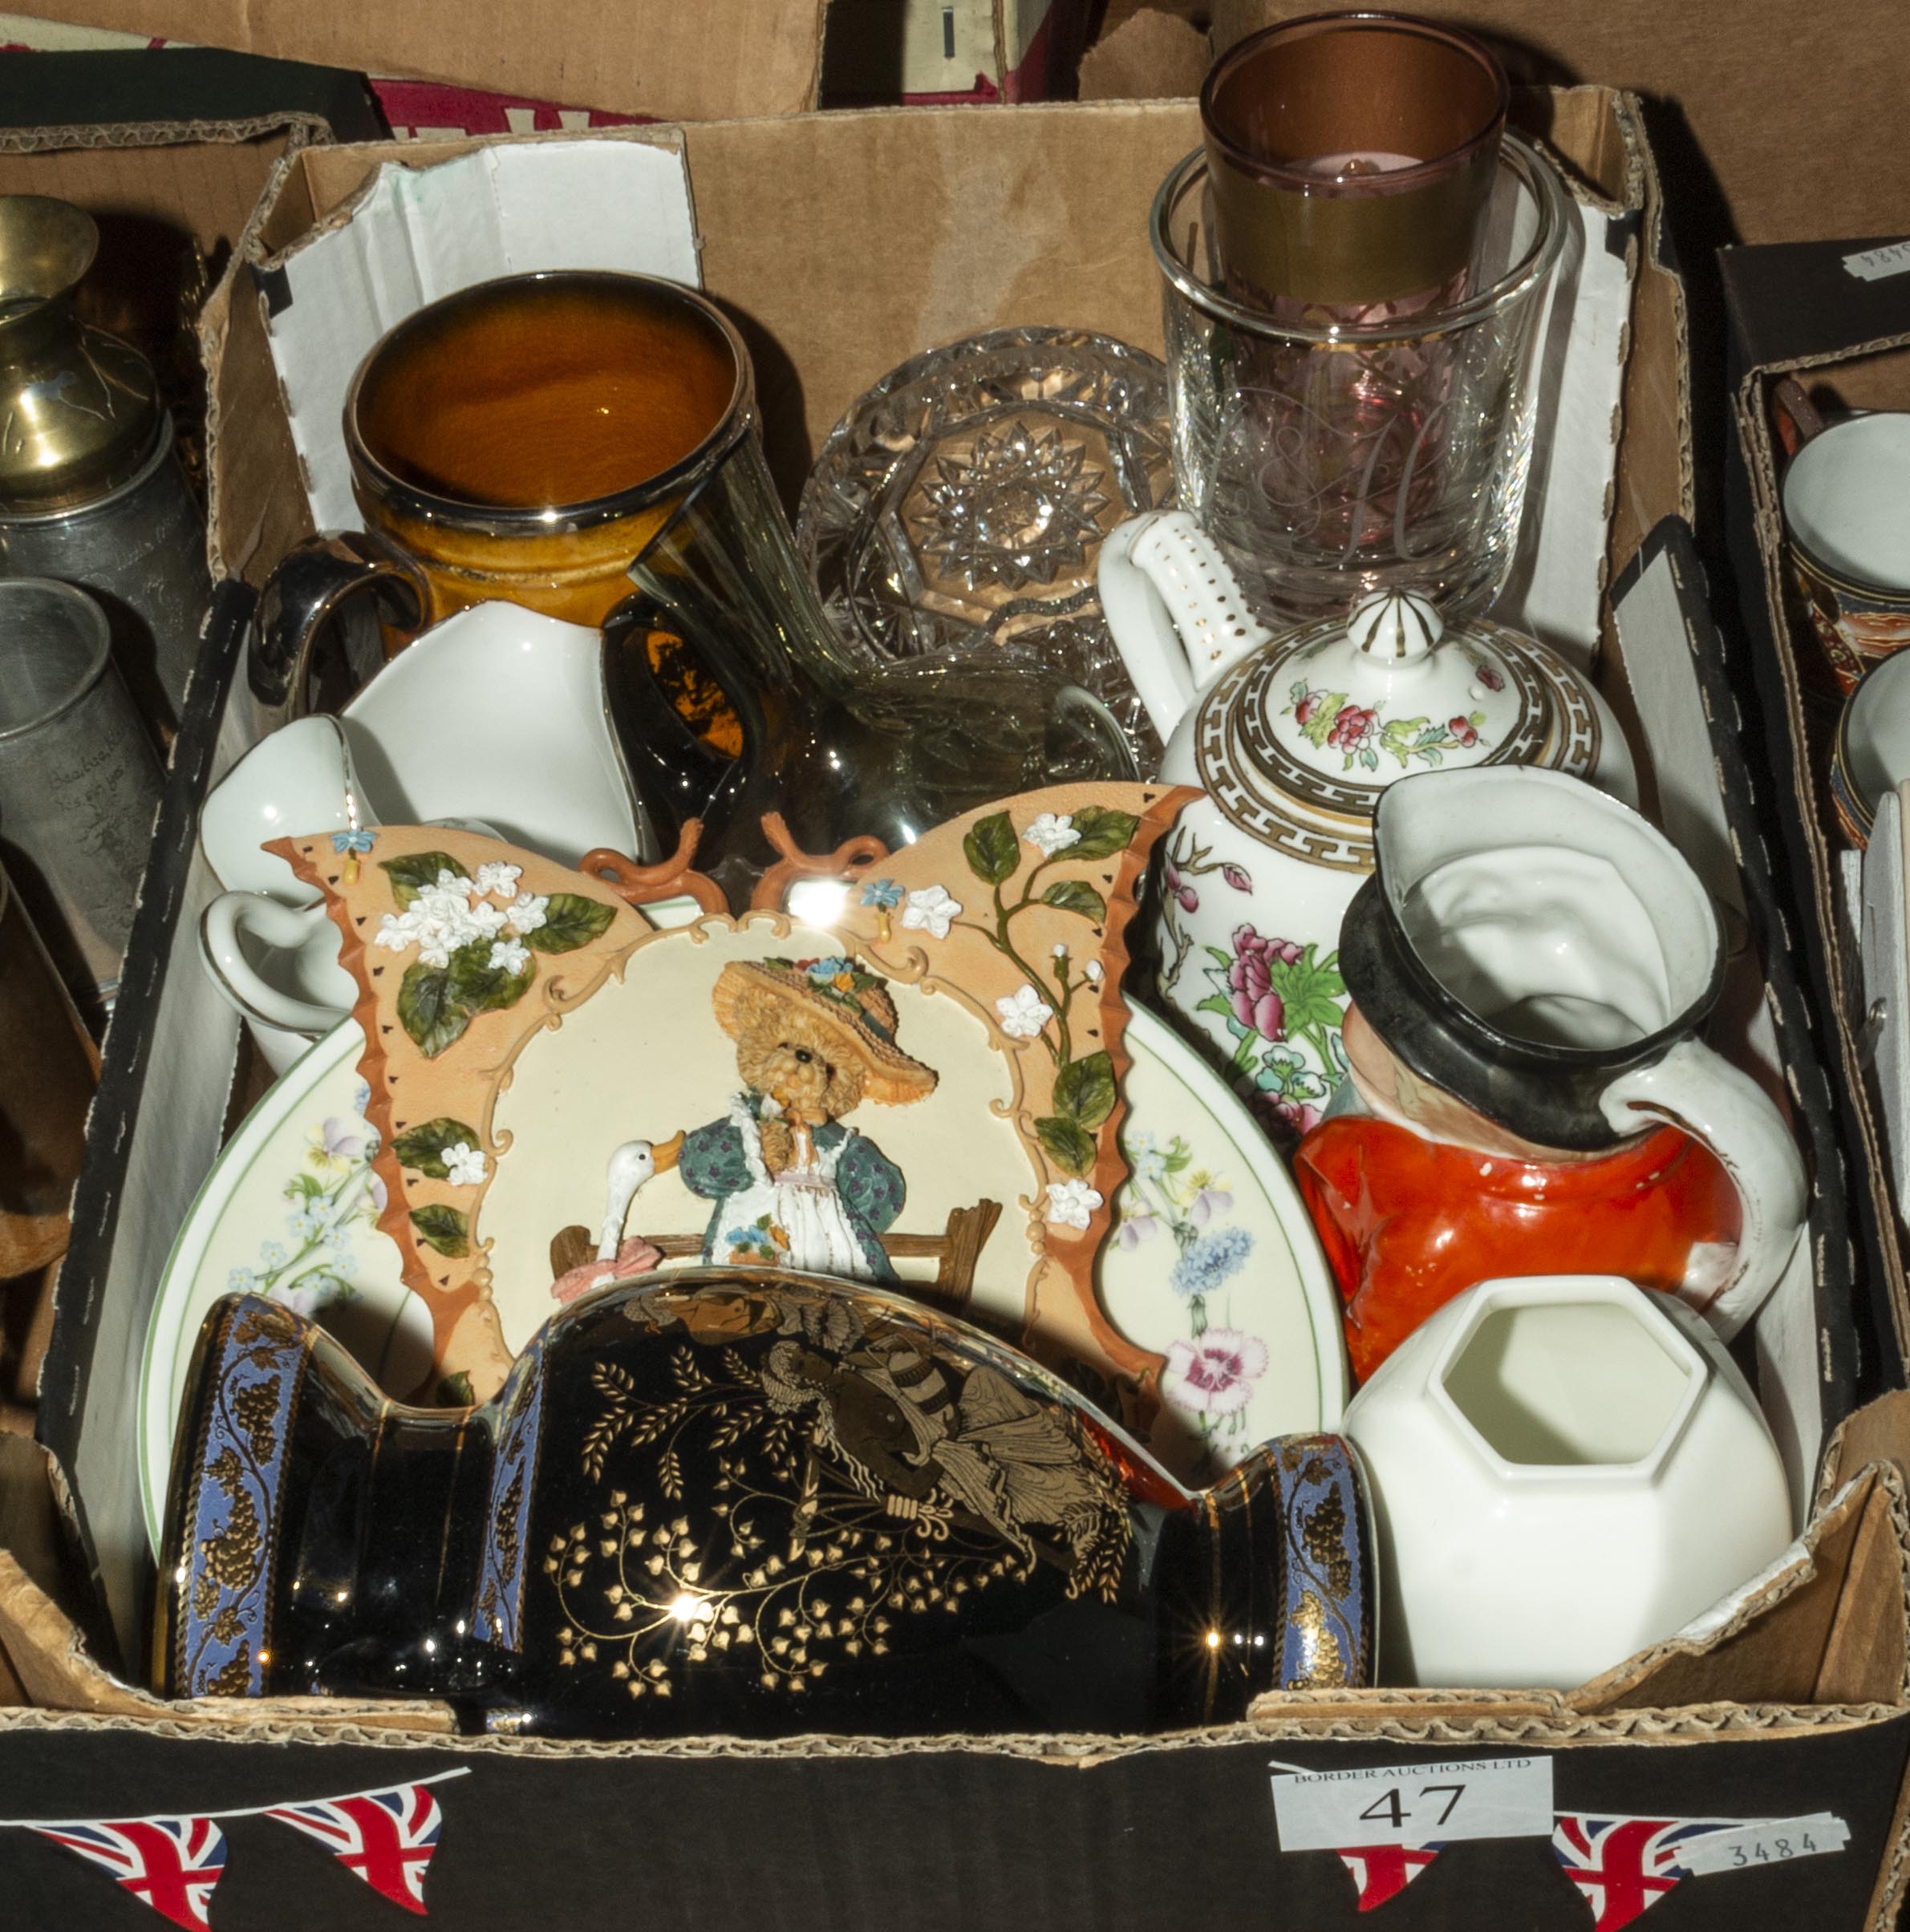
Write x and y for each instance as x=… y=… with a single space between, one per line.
x=740 y=1502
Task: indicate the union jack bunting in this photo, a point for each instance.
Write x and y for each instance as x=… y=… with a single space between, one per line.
x=170 y=1864
x=386 y=1837
x=1622 y=1864
x=1384 y=1871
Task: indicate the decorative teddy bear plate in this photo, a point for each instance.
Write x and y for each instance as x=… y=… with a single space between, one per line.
x=1212 y=1265
x=931 y=1089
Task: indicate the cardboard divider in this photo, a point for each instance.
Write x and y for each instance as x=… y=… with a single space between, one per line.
x=642 y=56
x=1794 y=312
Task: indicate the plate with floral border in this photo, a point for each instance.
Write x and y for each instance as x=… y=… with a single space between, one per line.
x=1214 y=1263
x=289 y=1210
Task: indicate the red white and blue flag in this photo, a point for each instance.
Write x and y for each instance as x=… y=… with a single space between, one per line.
x=386 y=1837
x=1384 y=1871
x=1624 y=1864
x=171 y=1864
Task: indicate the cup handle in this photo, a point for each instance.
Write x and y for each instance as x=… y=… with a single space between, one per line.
x=1175 y=609
x=288 y=926
x=306 y=591
x=1794 y=415
x=1716 y=1103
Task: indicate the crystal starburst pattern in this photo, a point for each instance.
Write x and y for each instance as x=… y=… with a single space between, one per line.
x=1018 y=507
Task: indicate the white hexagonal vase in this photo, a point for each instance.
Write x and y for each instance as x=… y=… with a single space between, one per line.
x=1564 y=1469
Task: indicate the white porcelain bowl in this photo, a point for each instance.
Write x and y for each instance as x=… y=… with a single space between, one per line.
x=1564 y=1469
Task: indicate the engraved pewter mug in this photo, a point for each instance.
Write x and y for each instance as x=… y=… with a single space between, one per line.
x=91 y=491
x=80 y=784
x=745 y=1502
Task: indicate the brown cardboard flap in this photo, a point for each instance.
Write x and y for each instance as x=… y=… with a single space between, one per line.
x=203 y=177
x=1151 y=55
x=1831 y=1627
x=658 y=57
x=1880 y=1432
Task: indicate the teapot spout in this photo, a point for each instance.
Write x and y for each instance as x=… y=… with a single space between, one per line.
x=1175 y=611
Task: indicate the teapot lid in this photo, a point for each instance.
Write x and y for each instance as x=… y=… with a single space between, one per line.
x=1306 y=734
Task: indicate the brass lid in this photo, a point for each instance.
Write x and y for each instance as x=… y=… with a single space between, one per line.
x=79 y=410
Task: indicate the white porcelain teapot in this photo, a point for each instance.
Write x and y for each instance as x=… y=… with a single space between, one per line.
x=1293 y=739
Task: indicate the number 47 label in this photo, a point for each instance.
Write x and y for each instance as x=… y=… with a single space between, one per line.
x=1320 y=1811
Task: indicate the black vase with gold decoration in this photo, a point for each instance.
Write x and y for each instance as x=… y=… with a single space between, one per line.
x=746 y=1503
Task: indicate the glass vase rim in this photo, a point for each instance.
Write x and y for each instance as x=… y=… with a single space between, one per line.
x=1538 y=260
x=467 y=514
x=1284 y=174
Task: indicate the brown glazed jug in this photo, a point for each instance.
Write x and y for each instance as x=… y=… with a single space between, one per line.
x=746 y=1503
x=521 y=439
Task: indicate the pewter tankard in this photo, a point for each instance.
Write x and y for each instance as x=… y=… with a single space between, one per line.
x=91 y=492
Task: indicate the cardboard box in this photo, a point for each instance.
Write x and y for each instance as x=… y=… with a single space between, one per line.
x=1752 y=93
x=1803 y=310
x=405 y=110
x=657 y=57
x=843 y=244
x=930 y=53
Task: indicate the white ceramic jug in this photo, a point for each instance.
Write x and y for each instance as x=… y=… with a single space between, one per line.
x=1294 y=740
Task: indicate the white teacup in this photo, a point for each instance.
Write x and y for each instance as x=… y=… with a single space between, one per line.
x=299 y=781
x=287 y=985
x=297 y=990
x=495 y=720
x=1847 y=509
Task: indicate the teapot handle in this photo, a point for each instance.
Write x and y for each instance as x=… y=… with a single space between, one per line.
x=1175 y=609
x=1717 y=1104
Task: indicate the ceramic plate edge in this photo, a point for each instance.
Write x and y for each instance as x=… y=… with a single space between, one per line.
x=162 y=1344
x=1270 y=1171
